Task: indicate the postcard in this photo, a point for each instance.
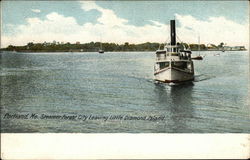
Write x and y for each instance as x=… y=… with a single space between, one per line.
x=124 y=79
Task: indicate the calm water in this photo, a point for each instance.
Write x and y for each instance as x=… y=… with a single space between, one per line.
x=120 y=84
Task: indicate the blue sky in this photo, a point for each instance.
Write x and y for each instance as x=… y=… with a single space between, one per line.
x=137 y=21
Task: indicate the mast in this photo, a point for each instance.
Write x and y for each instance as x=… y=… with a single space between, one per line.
x=199 y=44
x=101 y=43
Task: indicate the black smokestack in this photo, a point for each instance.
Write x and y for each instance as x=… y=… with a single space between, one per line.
x=172 y=32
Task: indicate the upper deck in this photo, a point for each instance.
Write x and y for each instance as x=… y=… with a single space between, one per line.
x=172 y=53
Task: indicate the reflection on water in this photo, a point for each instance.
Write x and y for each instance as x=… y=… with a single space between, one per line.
x=182 y=109
x=177 y=100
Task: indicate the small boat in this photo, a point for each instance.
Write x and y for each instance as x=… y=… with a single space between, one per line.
x=197 y=58
x=217 y=54
x=174 y=63
x=101 y=51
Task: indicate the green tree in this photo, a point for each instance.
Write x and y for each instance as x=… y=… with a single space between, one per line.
x=221 y=45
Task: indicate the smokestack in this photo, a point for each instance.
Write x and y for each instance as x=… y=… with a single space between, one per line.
x=172 y=32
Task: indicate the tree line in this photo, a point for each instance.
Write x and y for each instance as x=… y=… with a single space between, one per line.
x=95 y=46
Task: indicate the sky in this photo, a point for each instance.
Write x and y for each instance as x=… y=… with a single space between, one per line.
x=124 y=21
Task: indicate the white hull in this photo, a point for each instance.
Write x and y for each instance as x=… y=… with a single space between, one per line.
x=173 y=75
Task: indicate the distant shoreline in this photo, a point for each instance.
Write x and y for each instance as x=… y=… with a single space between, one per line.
x=105 y=51
x=113 y=47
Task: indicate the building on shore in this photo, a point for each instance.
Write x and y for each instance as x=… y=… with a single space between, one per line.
x=234 y=48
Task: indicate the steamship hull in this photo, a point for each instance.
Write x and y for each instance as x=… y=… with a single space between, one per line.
x=173 y=75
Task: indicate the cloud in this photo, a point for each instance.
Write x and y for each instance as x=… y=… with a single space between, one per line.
x=111 y=28
x=53 y=27
x=214 y=30
x=108 y=17
x=36 y=10
x=87 y=6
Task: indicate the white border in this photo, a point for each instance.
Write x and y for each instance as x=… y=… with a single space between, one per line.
x=124 y=146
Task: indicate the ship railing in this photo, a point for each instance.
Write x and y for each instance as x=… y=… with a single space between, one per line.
x=165 y=56
x=161 y=58
x=171 y=46
x=172 y=54
x=160 y=53
x=181 y=57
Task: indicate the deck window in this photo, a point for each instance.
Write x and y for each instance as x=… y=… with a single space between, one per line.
x=180 y=65
x=163 y=65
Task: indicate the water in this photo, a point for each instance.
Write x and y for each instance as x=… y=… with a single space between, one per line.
x=120 y=84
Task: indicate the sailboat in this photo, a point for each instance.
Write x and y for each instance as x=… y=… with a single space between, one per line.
x=223 y=48
x=101 y=50
x=199 y=57
x=173 y=64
